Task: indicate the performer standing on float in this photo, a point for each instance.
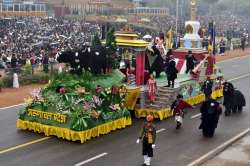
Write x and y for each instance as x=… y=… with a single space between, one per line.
x=148 y=136
x=169 y=54
x=207 y=87
x=171 y=71
x=152 y=88
x=160 y=44
x=178 y=106
x=190 y=62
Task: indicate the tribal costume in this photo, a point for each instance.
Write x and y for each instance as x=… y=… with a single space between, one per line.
x=207 y=87
x=210 y=113
x=178 y=106
x=152 y=87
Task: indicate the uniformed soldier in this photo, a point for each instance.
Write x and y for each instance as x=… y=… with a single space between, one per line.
x=148 y=136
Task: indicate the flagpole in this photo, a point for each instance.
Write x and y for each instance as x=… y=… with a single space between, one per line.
x=214 y=35
x=176 y=20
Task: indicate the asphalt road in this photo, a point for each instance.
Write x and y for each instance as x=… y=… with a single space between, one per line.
x=174 y=148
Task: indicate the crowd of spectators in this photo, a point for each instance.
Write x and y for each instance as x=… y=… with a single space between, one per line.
x=37 y=40
x=226 y=25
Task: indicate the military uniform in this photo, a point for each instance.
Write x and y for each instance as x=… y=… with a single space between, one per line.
x=148 y=136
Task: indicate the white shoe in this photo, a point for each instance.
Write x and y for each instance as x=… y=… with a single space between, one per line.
x=148 y=161
x=145 y=159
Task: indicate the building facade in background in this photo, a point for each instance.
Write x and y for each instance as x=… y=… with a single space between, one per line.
x=148 y=11
x=113 y=7
x=84 y=7
x=10 y=8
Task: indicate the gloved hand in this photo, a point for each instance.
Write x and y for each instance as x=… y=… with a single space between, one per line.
x=138 y=141
x=153 y=146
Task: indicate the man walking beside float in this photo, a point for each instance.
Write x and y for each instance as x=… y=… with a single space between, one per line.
x=148 y=136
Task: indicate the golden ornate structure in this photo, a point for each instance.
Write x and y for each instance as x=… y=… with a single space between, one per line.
x=129 y=39
x=193 y=10
x=189 y=29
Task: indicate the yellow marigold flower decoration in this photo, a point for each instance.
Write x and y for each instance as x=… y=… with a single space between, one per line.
x=28 y=101
x=117 y=107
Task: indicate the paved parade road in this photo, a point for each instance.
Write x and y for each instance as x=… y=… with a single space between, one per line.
x=174 y=148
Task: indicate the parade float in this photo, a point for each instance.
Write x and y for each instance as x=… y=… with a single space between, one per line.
x=133 y=59
x=189 y=85
x=81 y=106
x=78 y=104
x=137 y=63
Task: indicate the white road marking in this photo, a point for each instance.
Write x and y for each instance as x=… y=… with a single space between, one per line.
x=219 y=149
x=160 y=130
x=12 y=106
x=196 y=116
x=91 y=159
x=240 y=77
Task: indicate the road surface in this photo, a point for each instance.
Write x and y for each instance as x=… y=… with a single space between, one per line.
x=174 y=148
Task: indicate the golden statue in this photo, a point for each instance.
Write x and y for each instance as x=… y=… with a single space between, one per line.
x=193 y=10
x=127 y=28
x=189 y=29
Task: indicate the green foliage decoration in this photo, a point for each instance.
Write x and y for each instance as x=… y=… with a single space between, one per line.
x=111 y=41
x=78 y=97
x=96 y=42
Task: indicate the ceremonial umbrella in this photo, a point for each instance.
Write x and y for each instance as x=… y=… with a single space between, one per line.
x=147 y=37
x=145 y=20
x=121 y=20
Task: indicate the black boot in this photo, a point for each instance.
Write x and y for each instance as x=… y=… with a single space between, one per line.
x=178 y=126
x=211 y=132
x=234 y=110
x=227 y=113
x=205 y=133
x=240 y=108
